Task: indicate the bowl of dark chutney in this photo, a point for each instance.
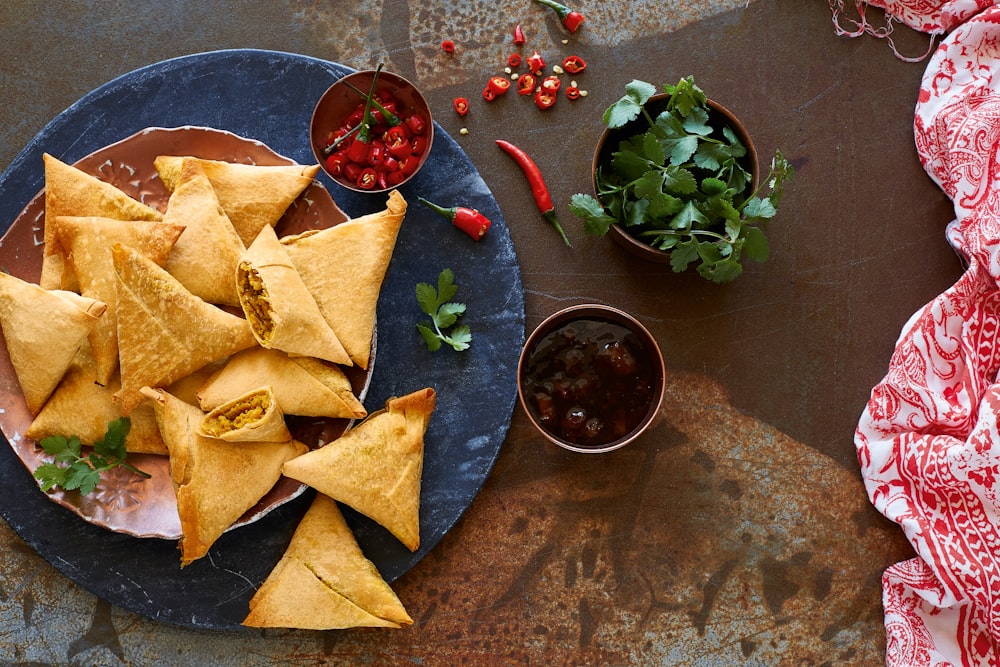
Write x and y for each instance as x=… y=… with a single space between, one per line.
x=591 y=378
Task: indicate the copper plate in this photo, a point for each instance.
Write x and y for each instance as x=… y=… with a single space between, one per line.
x=123 y=502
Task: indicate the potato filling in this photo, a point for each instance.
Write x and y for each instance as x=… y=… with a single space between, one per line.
x=237 y=414
x=255 y=301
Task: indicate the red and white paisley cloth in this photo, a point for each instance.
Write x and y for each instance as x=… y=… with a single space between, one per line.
x=928 y=441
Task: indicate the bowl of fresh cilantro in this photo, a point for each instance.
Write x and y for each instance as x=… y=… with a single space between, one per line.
x=676 y=181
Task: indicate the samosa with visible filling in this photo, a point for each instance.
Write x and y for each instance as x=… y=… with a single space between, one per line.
x=164 y=331
x=71 y=191
x=87 y=243
x=205 y=256
x=216 y=482
x=253 y=416
x=282 y=314
x=301 y=385
x=43 y=330
x=376 y=466
x=251 y=195
x=324 y=581
x=344 y=267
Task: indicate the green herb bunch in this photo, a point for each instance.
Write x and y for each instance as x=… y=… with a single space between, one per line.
x=73 y=469
x=677 y=184
x=437 y=304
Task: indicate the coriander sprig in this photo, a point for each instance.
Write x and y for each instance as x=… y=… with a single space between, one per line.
x=72 y=470
x=436 y=303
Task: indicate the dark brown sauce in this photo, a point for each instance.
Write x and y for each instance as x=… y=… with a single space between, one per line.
x=589 y=382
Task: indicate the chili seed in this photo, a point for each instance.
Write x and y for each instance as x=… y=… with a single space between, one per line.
x=557 y=69
x=464 y=130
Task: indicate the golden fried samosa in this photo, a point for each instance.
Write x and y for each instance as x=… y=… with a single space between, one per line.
x=324 y=581
x=86 y=242
x=344 y=267
x=301 y=385
x=376 y=466
x=71 y=191
x=43 y=330
x=205 y=256
x=251 y=195
x=164 y=331
x=253 y=416
x=82 y=407
x=216 y=482
x=282 y=314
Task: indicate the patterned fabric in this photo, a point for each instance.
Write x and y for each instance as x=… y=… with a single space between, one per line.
x=928 y=441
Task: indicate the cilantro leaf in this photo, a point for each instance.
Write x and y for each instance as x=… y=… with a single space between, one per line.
x=628 y=108
x=72 y=470
x=437 y=304
x=596 y=221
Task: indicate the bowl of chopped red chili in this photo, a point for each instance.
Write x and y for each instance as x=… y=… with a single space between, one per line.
x=380 y=153
x=591 y=378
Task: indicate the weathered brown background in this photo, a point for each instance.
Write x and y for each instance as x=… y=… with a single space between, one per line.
x=737 y=531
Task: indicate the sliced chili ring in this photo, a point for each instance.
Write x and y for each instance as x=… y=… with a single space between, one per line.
x=498 y=84
x=551 y=83
x=461 y=106
x=574 y=64
x=448 y=46
x=416 y=123
x=489 y=94
x=335 y=163
x=526 y=84
x=544 y=99
x=514 y=60
x=418 y=145
x=397 y=144
x=572 y=92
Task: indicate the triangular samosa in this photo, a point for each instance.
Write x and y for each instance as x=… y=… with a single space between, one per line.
x=43 y=330
x=344 y=266
x=71 y=191
x=282 y=314
x=324 y=581
x=251 y=195
x=87 y=243
x=205 y=256
x=164 y=331
x=301 y=385
x=376 y=466
x=216 y=482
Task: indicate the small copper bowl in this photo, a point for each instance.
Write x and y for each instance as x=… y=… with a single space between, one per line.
x=339 y=101
x=608 y=144
x=591 y=378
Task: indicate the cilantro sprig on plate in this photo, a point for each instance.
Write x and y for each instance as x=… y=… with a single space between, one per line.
x=677 y=183
x=442 y=327
x=73 y=469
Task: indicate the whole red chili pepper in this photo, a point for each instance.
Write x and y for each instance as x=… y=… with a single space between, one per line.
x=571 y=20
x=469 y=220
x=539 y=190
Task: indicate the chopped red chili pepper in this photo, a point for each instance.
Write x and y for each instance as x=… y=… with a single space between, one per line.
x=416 y=123
x=489 y=94
x=514 y=60
x=352 y=170
x=358 y=151
x=574 y=64
x=571 y=19
x=335 y=163
x=572 y=92
x=418 y=145
x=469 y=220
x=498 y=84
x=376 y=154
x=518 y=35
x=367 y=179
x=551 y=83
x=396 y=141
x=536 y=63
x=448 y=46
x=540 y=191
x=461 y=106
x=526 y=84
x=544 y=99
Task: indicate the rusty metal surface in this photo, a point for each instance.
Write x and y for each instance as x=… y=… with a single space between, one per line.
x=736 y=531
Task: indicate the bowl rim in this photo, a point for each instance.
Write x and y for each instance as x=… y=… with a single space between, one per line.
x=618 y=233
x=595 y=310
x=396 y=80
